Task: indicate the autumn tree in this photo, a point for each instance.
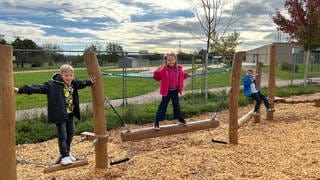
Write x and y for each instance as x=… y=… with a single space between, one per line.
x=302 y=23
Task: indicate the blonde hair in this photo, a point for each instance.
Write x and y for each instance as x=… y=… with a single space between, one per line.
x=173 y=55
x=66 y=68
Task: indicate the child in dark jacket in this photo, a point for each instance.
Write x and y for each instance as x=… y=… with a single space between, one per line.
x=171 y=79
x=251 y=90
x=63 y=104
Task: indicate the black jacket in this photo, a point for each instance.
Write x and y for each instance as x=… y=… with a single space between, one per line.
x=56 y=101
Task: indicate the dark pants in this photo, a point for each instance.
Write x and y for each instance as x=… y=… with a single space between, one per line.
x=161 y=113
x=65 y=133
x=258 y=97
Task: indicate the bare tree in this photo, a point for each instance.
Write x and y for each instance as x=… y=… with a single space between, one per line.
x=209 y=15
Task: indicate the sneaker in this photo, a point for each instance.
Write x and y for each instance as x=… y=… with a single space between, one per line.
x=182 y=122
x=270 y=110
x=256 y=113
x=72 y=157
x=66 y=161
x=156 y=125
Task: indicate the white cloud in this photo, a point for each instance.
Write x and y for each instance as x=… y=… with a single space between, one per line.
x=111 y=21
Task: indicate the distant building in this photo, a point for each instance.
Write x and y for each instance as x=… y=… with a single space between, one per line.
x=128 y=62
x=262 y=54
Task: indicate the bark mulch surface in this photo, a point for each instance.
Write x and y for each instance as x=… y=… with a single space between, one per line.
x=287 y=147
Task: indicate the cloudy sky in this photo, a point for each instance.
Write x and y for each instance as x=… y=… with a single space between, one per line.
x=153 y=25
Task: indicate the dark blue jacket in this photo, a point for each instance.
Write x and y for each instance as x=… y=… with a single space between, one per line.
x=55 y=95
x=246 y=85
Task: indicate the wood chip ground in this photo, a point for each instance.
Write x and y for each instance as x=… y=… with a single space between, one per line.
x=286 y=148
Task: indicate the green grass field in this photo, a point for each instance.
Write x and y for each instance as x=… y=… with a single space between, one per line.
x=112 y=87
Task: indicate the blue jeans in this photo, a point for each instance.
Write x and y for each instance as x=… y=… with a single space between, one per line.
x=65 y=133
x=161 y=113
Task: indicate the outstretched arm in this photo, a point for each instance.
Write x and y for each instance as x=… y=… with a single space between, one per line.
x=32 y=89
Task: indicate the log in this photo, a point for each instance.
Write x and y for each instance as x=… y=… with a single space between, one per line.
x=245 y=118
x=138 y=134
x=57 y=167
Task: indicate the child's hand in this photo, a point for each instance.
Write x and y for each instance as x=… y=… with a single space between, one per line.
x=92 y=78
x=159 y=68
x=189 y=75
x=16 y=90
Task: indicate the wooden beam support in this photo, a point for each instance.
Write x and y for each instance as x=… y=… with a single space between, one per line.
x=234 y=97
x=245 y=118
x=138 y=134
x=7 y=115
x=272 y=80
x=97 y=93
x=257 y=119
x=57 y=167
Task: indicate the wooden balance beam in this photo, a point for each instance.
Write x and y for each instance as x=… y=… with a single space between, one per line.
x=316 y=100
x=166 y=130
x=57 y=167
x=245 y=118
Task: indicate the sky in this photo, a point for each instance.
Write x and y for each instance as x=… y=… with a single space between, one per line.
x=153 y=25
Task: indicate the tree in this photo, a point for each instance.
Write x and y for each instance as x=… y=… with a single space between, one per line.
x=302 y=24
x=3 y=41
x=114 y=51
x=23 y=53
x=209 y=16
x=225 y=45
x=52 y=53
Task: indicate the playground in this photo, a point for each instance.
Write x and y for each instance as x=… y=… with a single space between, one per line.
x=276 y=145
x=284 y=148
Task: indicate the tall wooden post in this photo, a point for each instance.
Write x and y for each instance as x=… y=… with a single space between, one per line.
x=257 y=119
x=97 y=93
x=7 y=116
x=233 y=108
x=272 y=80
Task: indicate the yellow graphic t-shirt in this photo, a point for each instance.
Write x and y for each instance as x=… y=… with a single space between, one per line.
x=68 y=91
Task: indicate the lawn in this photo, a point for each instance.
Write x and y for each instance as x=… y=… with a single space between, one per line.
x=112 y=87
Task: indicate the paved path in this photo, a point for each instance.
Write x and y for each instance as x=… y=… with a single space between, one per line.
x=147 y=98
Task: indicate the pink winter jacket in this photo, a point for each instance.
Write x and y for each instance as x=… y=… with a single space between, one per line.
x=163 y=75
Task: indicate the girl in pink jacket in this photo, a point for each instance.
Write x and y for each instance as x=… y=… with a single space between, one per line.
x=171 y=79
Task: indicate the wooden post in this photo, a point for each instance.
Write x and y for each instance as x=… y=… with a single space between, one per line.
x=97 y=93
x=7 y=116
x=272 y=80
x=257 y=119
x=233 y=108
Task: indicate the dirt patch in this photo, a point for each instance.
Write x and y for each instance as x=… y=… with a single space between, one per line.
x=286 y=148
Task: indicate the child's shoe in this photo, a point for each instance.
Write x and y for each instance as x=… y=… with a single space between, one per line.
x=270 y=110
x=66 y=161
x=183 y=122
x=72 y=157
x=256 y=113
x=156 y=125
